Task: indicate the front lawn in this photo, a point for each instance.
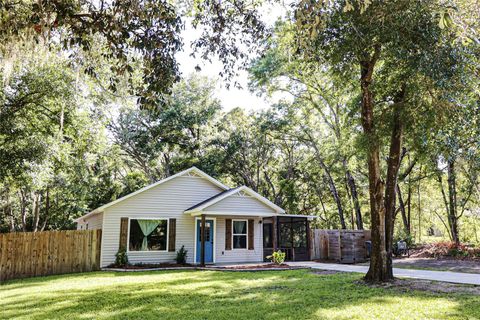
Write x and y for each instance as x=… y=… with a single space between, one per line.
x=297 y=294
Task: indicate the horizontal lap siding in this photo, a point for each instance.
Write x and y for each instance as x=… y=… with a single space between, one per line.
x=167 y=200
x=243 y=255
x=94 y=222
x=237 y=203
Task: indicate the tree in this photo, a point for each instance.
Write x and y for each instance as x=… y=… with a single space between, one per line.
x=125 y=32
x=391 y=42
x=145 y=30
x=316 y=93
x=254 y=149
x=455 y=150
x=53 y=151
x=159 y=142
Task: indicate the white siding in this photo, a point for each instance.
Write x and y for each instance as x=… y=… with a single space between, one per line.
x=94 y=222
x=167 y=200
x=239 y=255
x=239 y=203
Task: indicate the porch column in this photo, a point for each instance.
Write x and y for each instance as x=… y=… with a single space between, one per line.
x=274 y=234
x=202 y=240
x=309 y=240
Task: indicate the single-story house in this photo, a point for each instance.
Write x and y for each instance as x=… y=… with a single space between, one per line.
x=239 y=225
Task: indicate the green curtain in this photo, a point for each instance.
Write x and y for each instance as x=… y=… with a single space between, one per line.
x=147 y=226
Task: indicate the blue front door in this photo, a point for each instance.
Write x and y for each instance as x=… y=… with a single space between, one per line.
x=209 y=226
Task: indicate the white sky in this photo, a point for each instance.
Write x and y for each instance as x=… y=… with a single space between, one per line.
x=232 y=97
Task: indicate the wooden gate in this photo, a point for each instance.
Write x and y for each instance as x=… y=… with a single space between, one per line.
x=345 y=246
x=30 y=254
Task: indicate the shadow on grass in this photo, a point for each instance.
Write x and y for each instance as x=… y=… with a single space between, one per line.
x=222 y=295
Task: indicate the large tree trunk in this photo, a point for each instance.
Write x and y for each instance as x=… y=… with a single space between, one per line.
x=401 y=202
x=392 y=175
x=36 y=201
x=419 y=206
x=403 y=211
x=356 y=204
x=409 y=205
x=336 y=197
x=23 y=210
x=378 y=261
x=331 y=185
x=352 y=187
x=452 y=199
x=8 y=211
x=47 y=209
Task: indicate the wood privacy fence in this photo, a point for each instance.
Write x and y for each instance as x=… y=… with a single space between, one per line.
x=345 y=246
x=29 y=254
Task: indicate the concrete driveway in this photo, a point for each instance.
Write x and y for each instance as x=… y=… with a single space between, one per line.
x=445 y=276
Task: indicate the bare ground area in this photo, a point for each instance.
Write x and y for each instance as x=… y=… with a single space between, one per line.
x=441 y=264
x=406 y=285
x=436 y=264
x=325 y=272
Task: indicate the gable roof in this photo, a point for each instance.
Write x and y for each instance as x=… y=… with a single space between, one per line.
x=193 y=170
x=221 y=194
x=219 y=197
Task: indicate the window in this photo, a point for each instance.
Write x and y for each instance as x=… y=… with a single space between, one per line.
x=239 y=234
x=148 y=235
x=207 y=233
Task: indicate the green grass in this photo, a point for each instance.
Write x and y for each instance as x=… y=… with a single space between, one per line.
x=222 y=295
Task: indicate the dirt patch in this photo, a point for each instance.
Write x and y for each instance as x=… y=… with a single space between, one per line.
x=405 y=285
x=436 y=264
x=325 y=272
x=441 y=264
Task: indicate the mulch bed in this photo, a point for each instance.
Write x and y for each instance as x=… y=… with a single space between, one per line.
x=150 y=266
x=173 y=266
x=258 y=266
x=254 y=268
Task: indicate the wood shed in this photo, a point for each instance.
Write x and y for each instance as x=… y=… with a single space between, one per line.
x=344 y=246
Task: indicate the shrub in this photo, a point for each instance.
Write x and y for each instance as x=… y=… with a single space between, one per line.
x=277 y=257
x=181 y=255
x=121 y=258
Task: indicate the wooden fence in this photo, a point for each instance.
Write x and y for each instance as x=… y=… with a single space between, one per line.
x=30 y=254
x=345 y=246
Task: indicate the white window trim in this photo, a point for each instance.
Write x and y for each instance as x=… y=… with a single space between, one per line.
x=240 y=234
x=214 y=238
x=146 y=251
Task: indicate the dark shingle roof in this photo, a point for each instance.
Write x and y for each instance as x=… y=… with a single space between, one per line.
x=210 y=199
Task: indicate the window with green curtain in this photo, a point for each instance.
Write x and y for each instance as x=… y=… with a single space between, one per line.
x=148 y=234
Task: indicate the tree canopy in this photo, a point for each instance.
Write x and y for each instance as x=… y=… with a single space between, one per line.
x=378 y=127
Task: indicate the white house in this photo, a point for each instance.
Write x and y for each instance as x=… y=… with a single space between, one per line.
x=239 y=224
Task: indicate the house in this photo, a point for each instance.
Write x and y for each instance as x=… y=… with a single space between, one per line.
x=239 y=225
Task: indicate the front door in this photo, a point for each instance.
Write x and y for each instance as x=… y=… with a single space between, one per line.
x=209 y=228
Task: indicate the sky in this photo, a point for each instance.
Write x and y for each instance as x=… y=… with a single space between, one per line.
x=232 y=97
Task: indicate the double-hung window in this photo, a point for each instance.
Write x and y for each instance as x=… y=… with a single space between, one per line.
x=239 y=234
x=148 y=235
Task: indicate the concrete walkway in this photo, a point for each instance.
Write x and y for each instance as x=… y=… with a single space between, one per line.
x=445 y=276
